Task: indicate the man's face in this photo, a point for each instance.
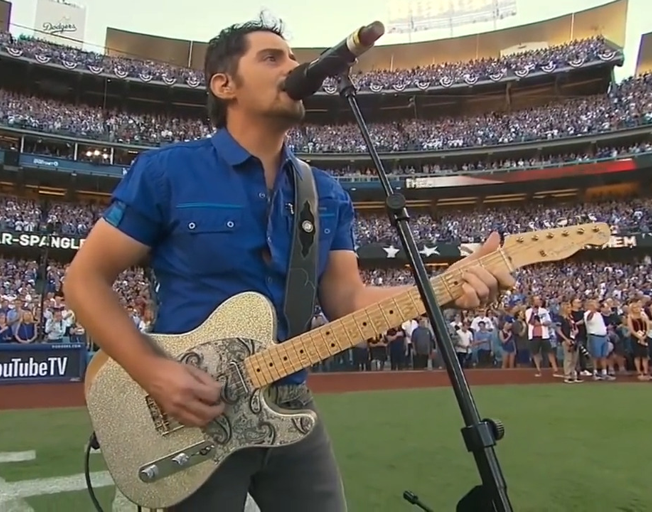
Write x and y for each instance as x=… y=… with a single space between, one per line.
x=256 y=87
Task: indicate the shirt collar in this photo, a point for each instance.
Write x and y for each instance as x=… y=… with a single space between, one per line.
x=235 y=155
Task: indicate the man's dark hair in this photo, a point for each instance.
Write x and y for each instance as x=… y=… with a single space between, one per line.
x=223 y=56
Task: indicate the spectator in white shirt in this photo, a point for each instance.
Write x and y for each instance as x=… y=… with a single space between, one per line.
x=408 y=327
x=55 y=328
x=538 y=323
x=463 y=343
x=596 y=331
x=482 y=317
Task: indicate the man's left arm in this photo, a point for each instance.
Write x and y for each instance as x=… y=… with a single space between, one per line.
x=342 y=291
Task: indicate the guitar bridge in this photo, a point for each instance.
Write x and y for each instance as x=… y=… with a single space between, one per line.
x=163 y=424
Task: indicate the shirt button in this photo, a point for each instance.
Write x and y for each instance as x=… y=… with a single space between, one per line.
x=269 y=280
x=192 y=225
x=262 y=195
x=327 y=231
x=230 y=224
x=269 y=239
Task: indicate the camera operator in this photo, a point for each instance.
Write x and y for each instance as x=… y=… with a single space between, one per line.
x=567 y=332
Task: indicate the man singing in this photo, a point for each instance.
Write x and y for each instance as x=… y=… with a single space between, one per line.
x=212 y=216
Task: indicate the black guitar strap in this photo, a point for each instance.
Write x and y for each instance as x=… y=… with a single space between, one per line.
x=301 y=284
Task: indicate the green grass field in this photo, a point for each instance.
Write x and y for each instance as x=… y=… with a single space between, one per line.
x=567 y=448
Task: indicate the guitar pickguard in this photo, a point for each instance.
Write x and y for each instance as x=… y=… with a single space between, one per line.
x=248 y=419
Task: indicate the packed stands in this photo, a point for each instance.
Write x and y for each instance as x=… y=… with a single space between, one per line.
x=623 y=107
x=625 y=216
x=571 y=54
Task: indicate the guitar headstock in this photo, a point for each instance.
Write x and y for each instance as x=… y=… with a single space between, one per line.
x=554 y=244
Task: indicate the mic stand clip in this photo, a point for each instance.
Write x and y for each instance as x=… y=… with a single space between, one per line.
x=480 y=436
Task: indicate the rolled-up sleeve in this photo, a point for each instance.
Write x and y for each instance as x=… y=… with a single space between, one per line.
x=138 y=204
x=344 y=238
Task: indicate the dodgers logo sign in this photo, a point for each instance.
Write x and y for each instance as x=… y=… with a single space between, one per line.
x=60 y=22
x=63 y=26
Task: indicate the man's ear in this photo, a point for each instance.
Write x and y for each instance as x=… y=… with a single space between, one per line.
x=222 y=86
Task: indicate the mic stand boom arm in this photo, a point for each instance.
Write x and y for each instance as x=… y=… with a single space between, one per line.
x=479 y=435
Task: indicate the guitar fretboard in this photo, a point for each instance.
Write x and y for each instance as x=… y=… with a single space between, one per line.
x=284 y=359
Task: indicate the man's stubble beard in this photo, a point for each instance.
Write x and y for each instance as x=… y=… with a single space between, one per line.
x=289 y=117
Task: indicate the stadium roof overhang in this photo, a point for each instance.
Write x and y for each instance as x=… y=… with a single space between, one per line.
x=608 y=20
x=644 y=58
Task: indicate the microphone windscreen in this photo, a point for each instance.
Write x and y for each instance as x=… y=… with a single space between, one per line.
x=372 y=33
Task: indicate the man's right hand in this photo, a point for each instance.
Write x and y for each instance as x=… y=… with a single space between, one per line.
x=184 y=392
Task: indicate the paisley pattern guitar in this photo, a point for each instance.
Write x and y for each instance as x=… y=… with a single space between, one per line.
x=156 y=462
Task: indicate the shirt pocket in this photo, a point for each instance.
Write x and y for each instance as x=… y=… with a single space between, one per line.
x=209 y=239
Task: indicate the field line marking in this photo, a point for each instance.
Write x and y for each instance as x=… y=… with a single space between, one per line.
x=17 y=456
x=12 y=494
x=56 y=485
x=9 y=503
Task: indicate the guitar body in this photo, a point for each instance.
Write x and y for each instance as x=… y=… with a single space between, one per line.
x=157 y=463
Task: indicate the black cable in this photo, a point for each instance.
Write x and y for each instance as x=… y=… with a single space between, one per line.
x=93 y=445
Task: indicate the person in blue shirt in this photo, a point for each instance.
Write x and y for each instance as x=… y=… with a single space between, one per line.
x=213 y=217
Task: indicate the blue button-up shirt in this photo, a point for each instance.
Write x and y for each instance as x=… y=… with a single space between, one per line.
x=204 y=209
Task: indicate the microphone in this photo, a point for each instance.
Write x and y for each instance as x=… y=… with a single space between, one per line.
x=306 y=79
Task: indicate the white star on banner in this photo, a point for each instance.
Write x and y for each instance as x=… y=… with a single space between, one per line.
x=429 y=251
x=391 y=251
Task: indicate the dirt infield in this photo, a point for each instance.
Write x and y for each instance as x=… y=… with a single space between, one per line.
x=42 y=396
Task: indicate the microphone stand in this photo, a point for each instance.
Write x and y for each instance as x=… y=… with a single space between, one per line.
x=480 y=435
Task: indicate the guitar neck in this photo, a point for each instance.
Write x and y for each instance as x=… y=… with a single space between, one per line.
x=319 y=344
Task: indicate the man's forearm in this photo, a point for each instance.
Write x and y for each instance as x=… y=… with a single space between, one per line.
x=98 y=309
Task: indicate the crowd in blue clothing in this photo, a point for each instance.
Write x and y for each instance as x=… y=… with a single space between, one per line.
x=447 y=225
x=625 y=106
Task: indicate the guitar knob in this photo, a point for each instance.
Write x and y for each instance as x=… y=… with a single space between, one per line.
x=149 y=473
x=181 y=459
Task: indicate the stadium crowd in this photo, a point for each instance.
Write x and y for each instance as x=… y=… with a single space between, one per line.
x=616 y=287
x=464 y=226
x=28 y=317
x=620 y=282
x=627 y=105
x=570 y=54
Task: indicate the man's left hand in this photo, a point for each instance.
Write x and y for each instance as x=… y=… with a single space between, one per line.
x=482 y=286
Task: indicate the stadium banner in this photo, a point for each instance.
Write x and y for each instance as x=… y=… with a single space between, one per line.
x=60 y=23
x=29 y=161
x=63 y=165
x=615 y=242
x=430 y=251
x=547 y=172
x=39 y=240
x=42 y=363
x=449 y=251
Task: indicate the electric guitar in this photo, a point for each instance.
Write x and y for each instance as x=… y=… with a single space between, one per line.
x=157 y=463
